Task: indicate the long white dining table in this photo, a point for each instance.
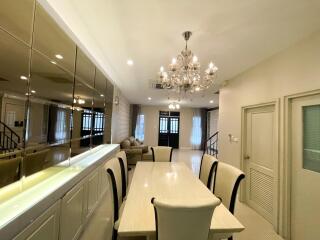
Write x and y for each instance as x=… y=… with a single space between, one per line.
x=168 y=180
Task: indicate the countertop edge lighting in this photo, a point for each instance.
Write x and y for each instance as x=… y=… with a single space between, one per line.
x=21 y=209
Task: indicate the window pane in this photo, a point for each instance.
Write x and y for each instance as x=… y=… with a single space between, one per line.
x=311 y=138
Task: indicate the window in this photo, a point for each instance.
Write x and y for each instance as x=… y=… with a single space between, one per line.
x=196 y=132
x=86 y=121
x=174 y=125
x=98 y=122
x=61 y=125
x=311 y=138
x=163 y=125
x=139 y=132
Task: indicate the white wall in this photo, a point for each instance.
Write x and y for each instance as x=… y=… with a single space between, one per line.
x=151 y=131
x=120 y=118
x=213 y=123
x=294 y=70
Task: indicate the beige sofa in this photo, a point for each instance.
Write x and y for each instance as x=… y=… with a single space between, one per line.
x=136 y=150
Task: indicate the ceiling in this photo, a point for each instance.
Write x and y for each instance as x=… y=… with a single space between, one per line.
x=235 y=35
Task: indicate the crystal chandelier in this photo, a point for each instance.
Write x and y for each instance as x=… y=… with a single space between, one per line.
x=174 y=106
x=184 y=72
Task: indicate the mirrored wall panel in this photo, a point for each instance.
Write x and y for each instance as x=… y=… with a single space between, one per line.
x=108 y=112
x=54 y=102
x=82 y=104
x=16 y=17
x=14 y=76
x=50 y=39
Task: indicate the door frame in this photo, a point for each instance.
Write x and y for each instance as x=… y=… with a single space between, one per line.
x=287 y=160
x=244 y=109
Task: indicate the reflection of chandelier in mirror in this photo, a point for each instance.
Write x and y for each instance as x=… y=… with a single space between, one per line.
x=79 y=100
x=184 y=72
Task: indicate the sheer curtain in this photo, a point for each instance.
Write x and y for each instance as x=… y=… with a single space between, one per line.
x=196 y=134
x=135 y=112
x=139 y=130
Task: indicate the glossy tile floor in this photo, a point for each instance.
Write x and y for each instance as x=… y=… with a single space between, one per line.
x=257 y=228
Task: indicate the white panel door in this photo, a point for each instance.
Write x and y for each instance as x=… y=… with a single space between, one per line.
x=260 y=160
x=305 y=171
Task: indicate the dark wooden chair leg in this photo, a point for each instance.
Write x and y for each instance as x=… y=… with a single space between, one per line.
x=114 y=234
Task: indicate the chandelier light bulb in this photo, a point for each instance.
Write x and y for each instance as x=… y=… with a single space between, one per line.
x=197 y=89
x=177 y=106
x=211 y=65
x=81 y=101
x=174 y=60
x=195 y=59
x=161 y=69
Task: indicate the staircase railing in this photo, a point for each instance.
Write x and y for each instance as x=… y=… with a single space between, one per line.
x=211 y=145
x=9 y=139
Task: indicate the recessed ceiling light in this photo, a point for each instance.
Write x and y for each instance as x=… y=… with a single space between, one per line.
x=130 y=62
x=211 y=101
x=23 y=77
x=149 y=98
x=59 y=56
x=101 y=95
x=53 y=62
x=33 y=91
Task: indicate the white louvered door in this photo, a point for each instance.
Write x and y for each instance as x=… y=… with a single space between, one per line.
x=260 y=159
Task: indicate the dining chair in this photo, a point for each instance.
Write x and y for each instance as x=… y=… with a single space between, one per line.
x=113 y=169
x=9 y=170
x=226 y=185
x=208 y=168
x=124 y=171
x=161 y=154
x=34 y=162
x=183 y=220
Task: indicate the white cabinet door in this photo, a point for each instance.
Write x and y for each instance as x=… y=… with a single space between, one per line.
x=103 y=182
x=72 y=213
x=93 y=188
x=44 y=227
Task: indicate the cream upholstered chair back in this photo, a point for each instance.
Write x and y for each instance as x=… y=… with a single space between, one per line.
x=161 y=154
x=208 y=169
x=35 y=162
x=181 y=220
x=226 y=184
x=124 y=171
x=113 y=169
x=9 y=170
